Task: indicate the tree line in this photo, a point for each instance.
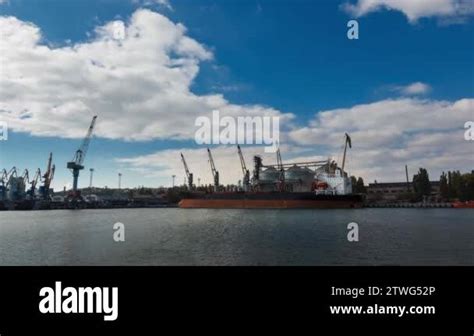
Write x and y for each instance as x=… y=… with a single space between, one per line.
x=453 y=185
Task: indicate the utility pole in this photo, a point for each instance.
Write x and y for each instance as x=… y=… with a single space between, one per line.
x=173 y=176
x=92 y=173
x=119 y=180
x=408 y=181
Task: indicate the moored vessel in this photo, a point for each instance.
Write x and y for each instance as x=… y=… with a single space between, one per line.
x=270 y=200
x=313 y=185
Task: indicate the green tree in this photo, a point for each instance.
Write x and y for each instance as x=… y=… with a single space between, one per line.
x=455 y=185
x=459 y=186
x=360 y=187
x=466 y=190
x=421 y=184
x=354 y=183
x=443 y=186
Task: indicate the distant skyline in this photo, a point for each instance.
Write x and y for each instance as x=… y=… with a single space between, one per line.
x=403 y=90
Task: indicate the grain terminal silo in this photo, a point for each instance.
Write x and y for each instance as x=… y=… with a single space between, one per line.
x=299 y=179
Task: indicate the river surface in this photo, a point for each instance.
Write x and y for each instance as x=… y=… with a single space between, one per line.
x=174 y=236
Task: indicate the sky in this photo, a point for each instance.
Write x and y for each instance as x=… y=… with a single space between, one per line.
x=403 y=90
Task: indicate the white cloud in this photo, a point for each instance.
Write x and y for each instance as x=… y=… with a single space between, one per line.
x=164 y=3
x=388 y=134
x=140 y=86
x=413 y=9
x=412 y=89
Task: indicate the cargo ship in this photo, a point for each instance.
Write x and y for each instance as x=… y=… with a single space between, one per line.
x=304 y=185
x=270 y=200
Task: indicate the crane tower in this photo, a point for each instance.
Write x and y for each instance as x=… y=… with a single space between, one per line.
x=76 y=165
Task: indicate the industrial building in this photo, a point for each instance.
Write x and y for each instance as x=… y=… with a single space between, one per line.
x=394 y=191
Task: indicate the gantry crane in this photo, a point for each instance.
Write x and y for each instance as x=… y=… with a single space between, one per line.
x=214 y=171
x=189 y=175
x=245 y=171
x=76 y=165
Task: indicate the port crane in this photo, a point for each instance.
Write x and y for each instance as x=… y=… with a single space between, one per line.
x=5 y=179
x=6 y=175
x=76 y=165
x=215 y=173
x=47 y=178
x=281 y=169
x=33 y=183
x=245 y=171
x=347 y=141
x=26 y=180
x=189 y=175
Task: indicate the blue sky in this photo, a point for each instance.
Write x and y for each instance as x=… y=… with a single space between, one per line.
x=288 y=56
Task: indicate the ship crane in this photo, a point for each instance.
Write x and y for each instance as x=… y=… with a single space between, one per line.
x=215 y=173
x=347 y=142
x=281 y=178
x=76 y=165
x=47 y=177
x=189 y=175
x=245 y=171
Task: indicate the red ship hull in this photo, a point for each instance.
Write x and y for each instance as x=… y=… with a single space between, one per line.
x=271 y=201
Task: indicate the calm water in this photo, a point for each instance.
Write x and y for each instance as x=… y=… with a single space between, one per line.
x=238 y=237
